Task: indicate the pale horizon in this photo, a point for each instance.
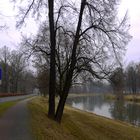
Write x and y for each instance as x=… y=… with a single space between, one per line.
x=12 y=37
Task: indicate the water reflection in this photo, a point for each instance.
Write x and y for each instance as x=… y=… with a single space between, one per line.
x=133 y=113
x=120 y=110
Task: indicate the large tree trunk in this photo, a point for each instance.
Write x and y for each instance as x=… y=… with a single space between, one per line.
x=62 y=101
x=60 y=108
x=52 y=80
x=69 y=74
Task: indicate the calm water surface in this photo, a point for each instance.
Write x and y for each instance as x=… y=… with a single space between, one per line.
x=120 y=110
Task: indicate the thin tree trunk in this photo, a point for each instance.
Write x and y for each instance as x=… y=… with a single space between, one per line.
x=69 y=74
x=52 y=80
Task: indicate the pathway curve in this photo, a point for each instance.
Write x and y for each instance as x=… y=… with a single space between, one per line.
x=14 y=124
x=14 y=98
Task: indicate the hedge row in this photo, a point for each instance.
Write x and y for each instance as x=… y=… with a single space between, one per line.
x=10 y=94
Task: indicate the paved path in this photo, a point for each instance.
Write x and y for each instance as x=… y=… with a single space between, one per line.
x=13 y=98
x=14 y=124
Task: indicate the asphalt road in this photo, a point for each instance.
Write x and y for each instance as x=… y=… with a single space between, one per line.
x=13 y=98
x=14 y=124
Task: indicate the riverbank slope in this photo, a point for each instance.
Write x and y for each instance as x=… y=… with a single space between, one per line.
x=77 y=125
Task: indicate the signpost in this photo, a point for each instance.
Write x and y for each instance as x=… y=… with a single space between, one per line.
x=0 y=76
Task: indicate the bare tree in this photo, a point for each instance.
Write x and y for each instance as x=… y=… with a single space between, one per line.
x=43 y=80
x=98 y=38
x=16 y=76
x=88 y=44
x=132 y=77
x=117 y=81
x=17 y=66
x=4 y=60
x=27 y=82
x=138 y=77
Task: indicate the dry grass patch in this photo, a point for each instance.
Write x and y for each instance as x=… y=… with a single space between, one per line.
x=77 y=125
x=132 y=98
x=74 y=95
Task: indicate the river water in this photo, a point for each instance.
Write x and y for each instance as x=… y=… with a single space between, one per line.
x=119 y=110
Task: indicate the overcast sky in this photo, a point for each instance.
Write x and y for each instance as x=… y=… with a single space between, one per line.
x=133 y=48
x=11 y=37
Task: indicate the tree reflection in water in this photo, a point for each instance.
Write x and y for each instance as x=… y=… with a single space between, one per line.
x=119 y=110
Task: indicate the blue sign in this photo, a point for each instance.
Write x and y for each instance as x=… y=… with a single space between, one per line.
x=0 y=74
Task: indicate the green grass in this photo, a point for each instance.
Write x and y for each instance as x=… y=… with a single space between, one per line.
x=4 y=106
x=77 y=125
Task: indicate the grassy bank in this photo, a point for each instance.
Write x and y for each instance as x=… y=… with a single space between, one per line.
x=132 y=98
x=4 y=106
x=77 y=125
x=74 y=95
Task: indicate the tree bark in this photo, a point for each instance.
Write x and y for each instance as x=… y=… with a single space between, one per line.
x=52 y=80
x=60 y=108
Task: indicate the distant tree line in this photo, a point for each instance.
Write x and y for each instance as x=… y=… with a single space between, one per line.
x=126 y=80
x=91 y=87
x=120 y=81
x=16 y=76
